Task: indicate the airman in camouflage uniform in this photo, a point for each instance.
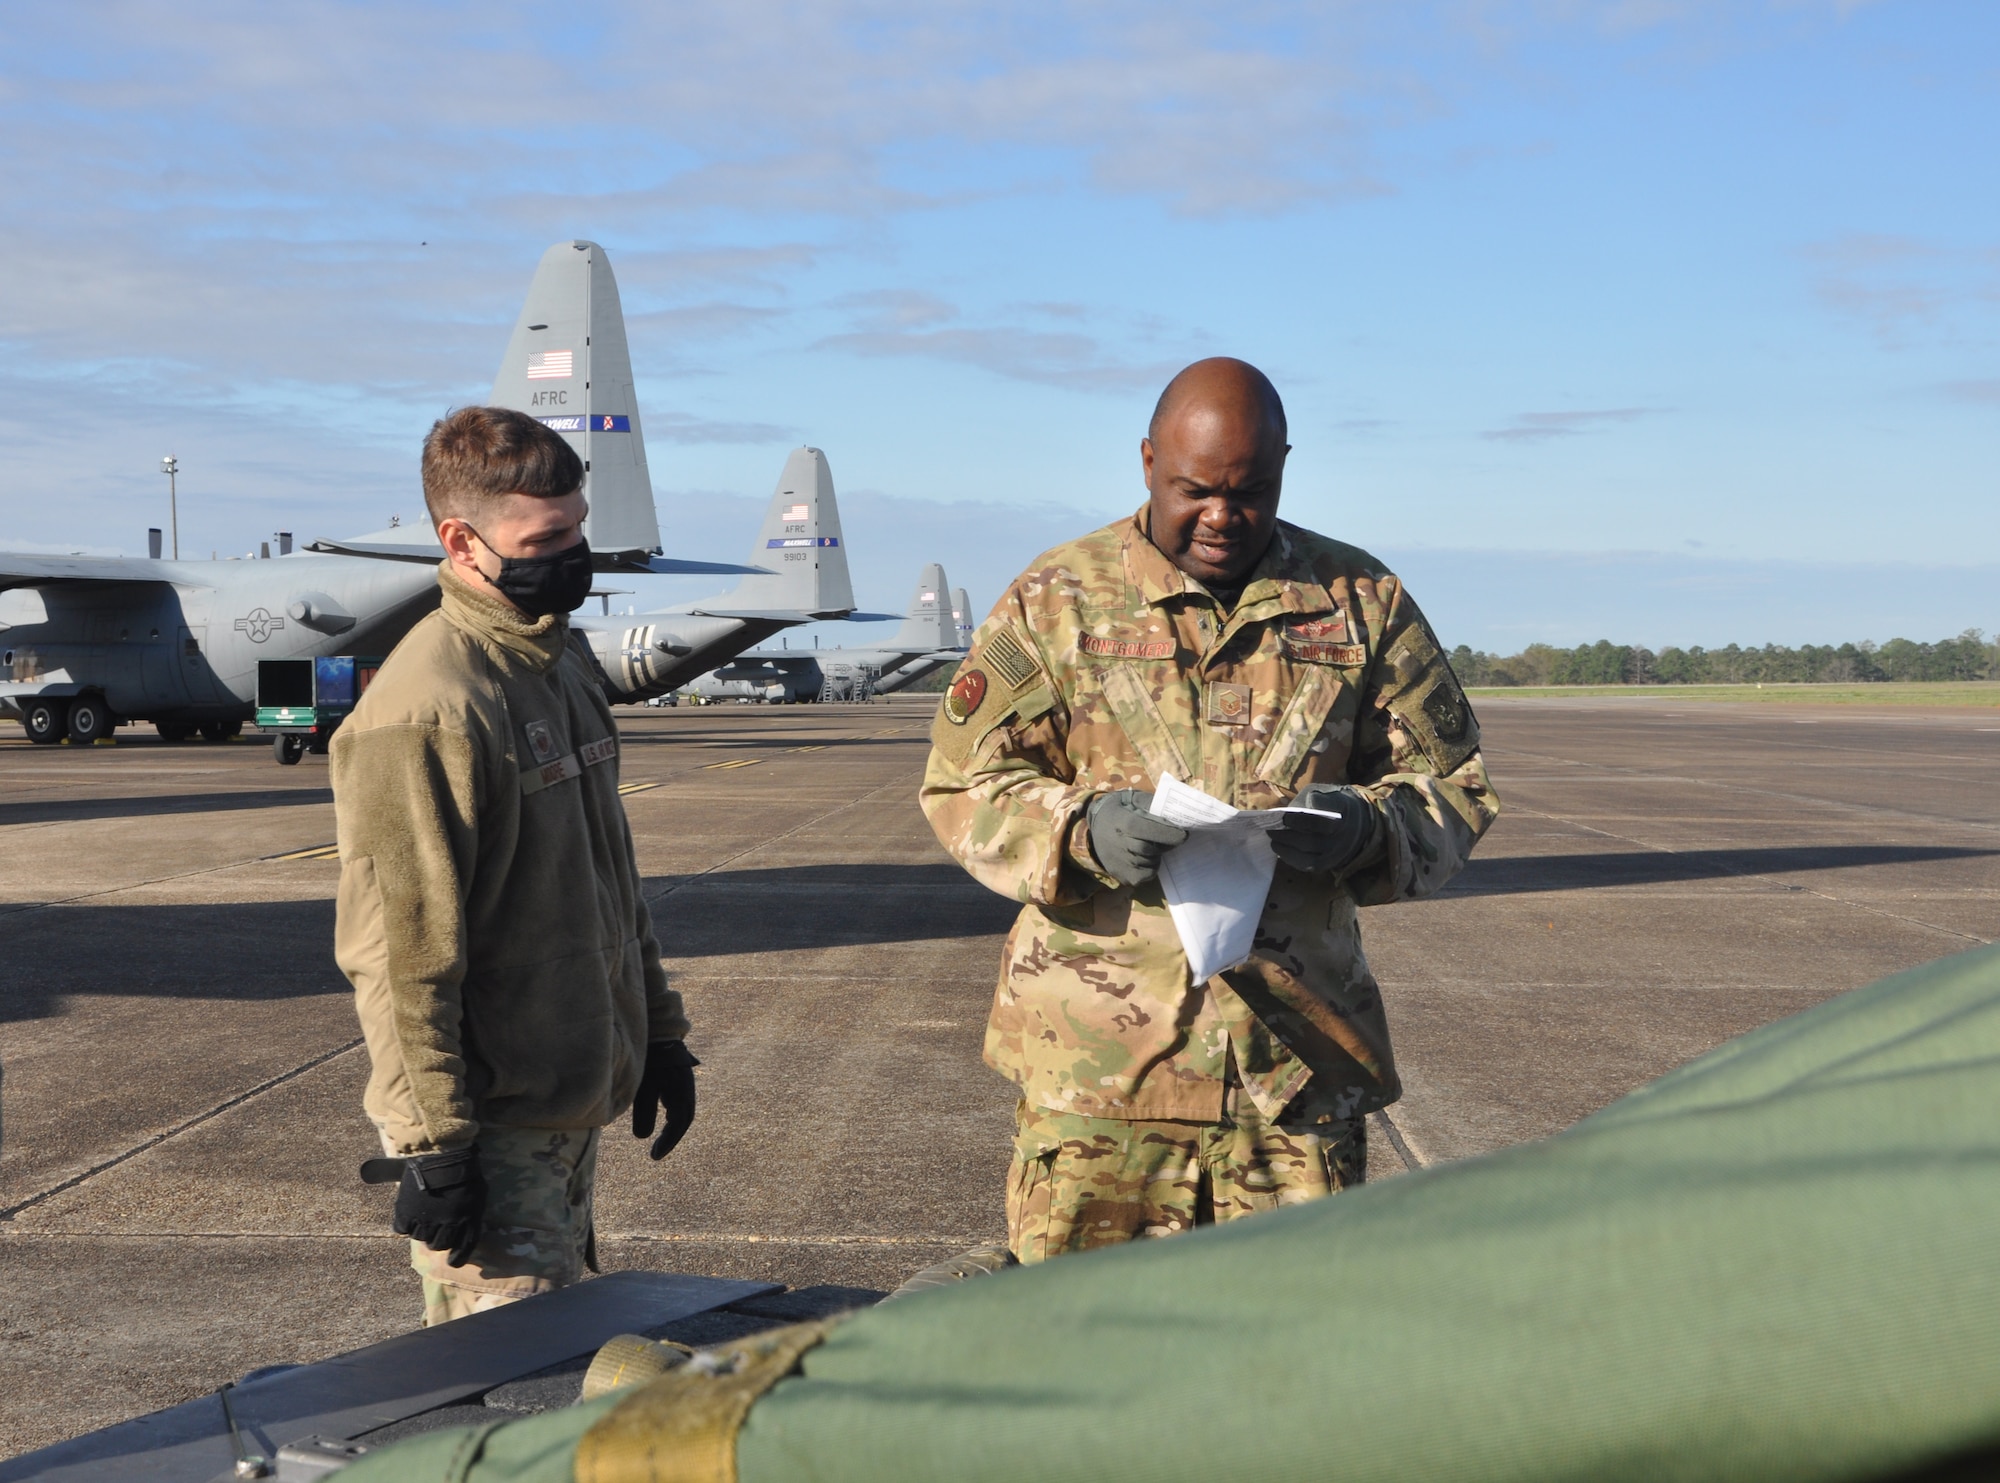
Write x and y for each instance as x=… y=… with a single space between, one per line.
x=1149 y=1103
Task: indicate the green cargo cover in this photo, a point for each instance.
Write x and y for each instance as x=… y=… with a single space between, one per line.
x=1779 y=1262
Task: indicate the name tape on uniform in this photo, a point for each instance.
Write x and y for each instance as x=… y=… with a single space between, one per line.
x=533 y=780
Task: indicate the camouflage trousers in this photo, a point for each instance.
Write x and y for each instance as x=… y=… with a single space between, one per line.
x=537 y=1235
x=1080 y=1182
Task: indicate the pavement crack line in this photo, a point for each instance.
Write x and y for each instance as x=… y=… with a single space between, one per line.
x=1755 y=877
x=1407 y=1148
x=178 y=1128
x=24 y=907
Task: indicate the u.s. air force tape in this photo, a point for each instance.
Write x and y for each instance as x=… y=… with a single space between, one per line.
x=534 y=779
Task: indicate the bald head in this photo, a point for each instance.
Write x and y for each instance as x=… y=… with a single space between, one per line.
x=1221 y=383
x=1214 y=458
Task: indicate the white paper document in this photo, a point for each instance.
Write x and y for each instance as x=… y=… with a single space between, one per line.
x=1216 y=880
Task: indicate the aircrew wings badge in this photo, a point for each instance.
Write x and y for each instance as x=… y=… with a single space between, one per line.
x=967 y=694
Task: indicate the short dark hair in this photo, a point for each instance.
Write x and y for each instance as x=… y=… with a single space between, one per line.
x=478 y=454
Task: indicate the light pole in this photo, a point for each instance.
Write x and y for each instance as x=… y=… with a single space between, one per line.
x=171 y=466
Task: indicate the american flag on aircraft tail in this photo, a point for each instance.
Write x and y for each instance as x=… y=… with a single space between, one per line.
x=551 y=365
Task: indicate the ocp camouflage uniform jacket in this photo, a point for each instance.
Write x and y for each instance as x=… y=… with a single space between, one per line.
x=1105 y=667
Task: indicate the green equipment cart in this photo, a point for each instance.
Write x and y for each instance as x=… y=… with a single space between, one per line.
x=301 y=702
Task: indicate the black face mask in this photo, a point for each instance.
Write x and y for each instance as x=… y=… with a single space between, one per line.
x=540 y=585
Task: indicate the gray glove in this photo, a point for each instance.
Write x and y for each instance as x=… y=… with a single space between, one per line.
x=1321 y=846
x=1125 y=837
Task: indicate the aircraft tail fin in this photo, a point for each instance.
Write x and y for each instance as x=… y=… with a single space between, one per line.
x=929 y=624
x=963 y=622
x=568 y=365
x=800 y=545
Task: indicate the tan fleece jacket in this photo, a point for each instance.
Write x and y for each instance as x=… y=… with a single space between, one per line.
x=490 y=916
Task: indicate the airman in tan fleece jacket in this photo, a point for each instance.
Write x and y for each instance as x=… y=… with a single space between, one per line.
x=490 y=916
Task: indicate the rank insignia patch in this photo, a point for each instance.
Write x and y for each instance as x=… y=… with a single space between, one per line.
x=967 y=694
x=1228 y=705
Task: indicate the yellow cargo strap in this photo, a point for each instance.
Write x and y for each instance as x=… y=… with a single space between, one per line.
x=681 y=1428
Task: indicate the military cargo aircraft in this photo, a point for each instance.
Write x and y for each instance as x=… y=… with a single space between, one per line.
x=89 y=642
x=912 y=670
x=648 y=654
x=927 y=639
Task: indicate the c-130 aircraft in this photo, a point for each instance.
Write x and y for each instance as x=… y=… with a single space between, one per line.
x=929 y=639
x=88 y=643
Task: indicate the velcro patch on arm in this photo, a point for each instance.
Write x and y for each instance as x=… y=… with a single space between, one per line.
x=1010 y=661
x=1424 y=695
x=997 y=680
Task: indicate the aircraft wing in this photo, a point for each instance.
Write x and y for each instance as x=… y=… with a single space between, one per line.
x=25 y=569
x=774 y=659
x=673 y=566
x=431 y=551
x=764 y=615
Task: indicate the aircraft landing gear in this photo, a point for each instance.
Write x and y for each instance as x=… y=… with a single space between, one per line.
x=46 y=721
x=173 y=731
x=221 y=731
x=89 y=719
x=289 y=747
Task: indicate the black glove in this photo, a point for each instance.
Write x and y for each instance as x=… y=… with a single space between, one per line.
x=440 y=1202
x=1125 y=837
x=667 y=1081
x=1319 y=845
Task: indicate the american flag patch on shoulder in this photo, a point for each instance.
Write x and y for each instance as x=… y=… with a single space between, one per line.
x=1009 y=660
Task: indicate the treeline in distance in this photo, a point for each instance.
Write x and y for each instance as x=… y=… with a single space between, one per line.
x=1967 y=657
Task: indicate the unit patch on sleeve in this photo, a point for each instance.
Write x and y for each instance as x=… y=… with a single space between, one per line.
x=1448 y=712
x=1422 y=692
x=967 y=694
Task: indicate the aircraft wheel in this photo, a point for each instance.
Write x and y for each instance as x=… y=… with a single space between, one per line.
x=89 y=719
x=46 y=721
x=221 y=731
x=173 y=731
x=289 y=748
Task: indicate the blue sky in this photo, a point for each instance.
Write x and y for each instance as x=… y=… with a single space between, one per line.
x=1670 y=322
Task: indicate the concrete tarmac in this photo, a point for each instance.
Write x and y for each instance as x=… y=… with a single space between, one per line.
x=182 y=1072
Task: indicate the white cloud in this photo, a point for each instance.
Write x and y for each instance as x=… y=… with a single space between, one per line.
x=1540 y=427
